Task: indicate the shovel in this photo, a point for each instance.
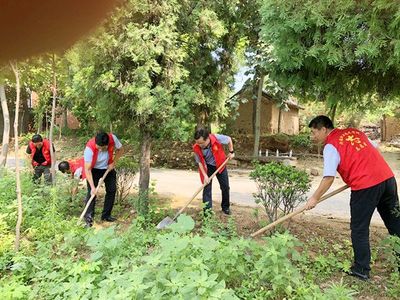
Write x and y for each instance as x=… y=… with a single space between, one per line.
x=168 y=221
x=296 y=212
x=94 y=195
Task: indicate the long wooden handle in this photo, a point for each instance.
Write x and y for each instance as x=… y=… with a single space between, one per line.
x=200 y=189
x=296 y=212
x=93 y=195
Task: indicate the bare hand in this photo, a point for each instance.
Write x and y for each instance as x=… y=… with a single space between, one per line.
x=231 y=155
x=93 y=191
x=206 y=179
x=111 y=166
x=311 y=203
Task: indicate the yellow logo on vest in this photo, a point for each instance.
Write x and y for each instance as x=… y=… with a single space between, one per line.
x=351 y=138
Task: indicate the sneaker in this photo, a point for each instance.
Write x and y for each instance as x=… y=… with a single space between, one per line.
x=109 y=219
x=226 y=211
x=88 y=224
x=360 y=274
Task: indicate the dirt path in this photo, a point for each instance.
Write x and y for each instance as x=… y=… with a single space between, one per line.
x=179 y=185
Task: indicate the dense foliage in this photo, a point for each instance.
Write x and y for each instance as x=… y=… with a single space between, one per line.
x=61 y=260
x=280 y=188
x=333 y=50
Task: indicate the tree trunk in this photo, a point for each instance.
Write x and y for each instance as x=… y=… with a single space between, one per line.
x=279 y=119
x=6 y=130
x=65 y=118
x=203 y=120
x=332 y=112
x=144 y=179
x=53 y=114
x=14 y=66
x=258 y=119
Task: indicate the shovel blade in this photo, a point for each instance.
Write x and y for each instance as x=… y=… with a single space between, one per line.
x=165 y=223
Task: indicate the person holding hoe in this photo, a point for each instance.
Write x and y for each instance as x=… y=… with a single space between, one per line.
x=99 y=158
x=210 y=155
x=373 y=185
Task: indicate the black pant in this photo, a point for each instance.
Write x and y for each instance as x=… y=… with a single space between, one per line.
x=223 y=180
x=111 y=188
x=382 y=196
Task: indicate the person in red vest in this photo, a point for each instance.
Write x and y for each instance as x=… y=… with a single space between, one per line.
x=209 y=155
x=75 y=167
x=373 y=185
x=39 y=151
x=99 y=157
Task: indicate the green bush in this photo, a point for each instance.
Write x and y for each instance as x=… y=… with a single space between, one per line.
x=302 y=140
x=126 y=169
x=279 y=188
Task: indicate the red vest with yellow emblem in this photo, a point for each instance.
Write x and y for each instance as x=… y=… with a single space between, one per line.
x=361 y=165
x=45 y=152
x=217 y=151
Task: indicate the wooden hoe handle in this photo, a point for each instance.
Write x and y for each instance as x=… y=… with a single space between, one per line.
x=296 y=212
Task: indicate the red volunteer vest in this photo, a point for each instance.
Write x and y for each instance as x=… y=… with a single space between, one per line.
x=45 y=151
x=217 y=151
x=361 y=165
x=75 y=164
x=92 y=145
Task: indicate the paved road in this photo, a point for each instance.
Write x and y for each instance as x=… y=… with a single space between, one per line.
x=181 y=184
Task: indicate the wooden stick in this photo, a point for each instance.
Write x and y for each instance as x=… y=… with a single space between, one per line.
x=200 y=189
x=93 y=195
x=296 y=212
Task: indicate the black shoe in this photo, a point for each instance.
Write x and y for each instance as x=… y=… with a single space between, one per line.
x=363 y=275
x=109 y=219
x=226 y=211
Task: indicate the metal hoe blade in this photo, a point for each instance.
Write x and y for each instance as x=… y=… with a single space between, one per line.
x=165 y=223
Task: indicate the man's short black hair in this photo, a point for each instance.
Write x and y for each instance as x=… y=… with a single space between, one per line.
x=63 y=166
x=321 y=121
x=102 y=139
x=37 y=138
x=201 y=132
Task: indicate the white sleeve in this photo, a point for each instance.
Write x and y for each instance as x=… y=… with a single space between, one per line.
x=78 y=173
x=331 y=160
x=374 y=143
x=118 y=144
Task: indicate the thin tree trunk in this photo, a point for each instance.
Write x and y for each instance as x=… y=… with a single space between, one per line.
x=144 y=179
x=6 y=129
x=332 y=112
x=258 y=119
x=53 y=114
x=279 y=119
x=14 y=66
x=65 y=118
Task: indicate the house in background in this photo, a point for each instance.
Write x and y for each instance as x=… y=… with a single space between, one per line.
x=274 y=116
x=390 y=127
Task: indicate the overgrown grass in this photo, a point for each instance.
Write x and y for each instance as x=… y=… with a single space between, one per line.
x=61 y=260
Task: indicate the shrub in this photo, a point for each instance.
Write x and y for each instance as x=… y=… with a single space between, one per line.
x=279 y=188
x=301 y=141
x=126 y=168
